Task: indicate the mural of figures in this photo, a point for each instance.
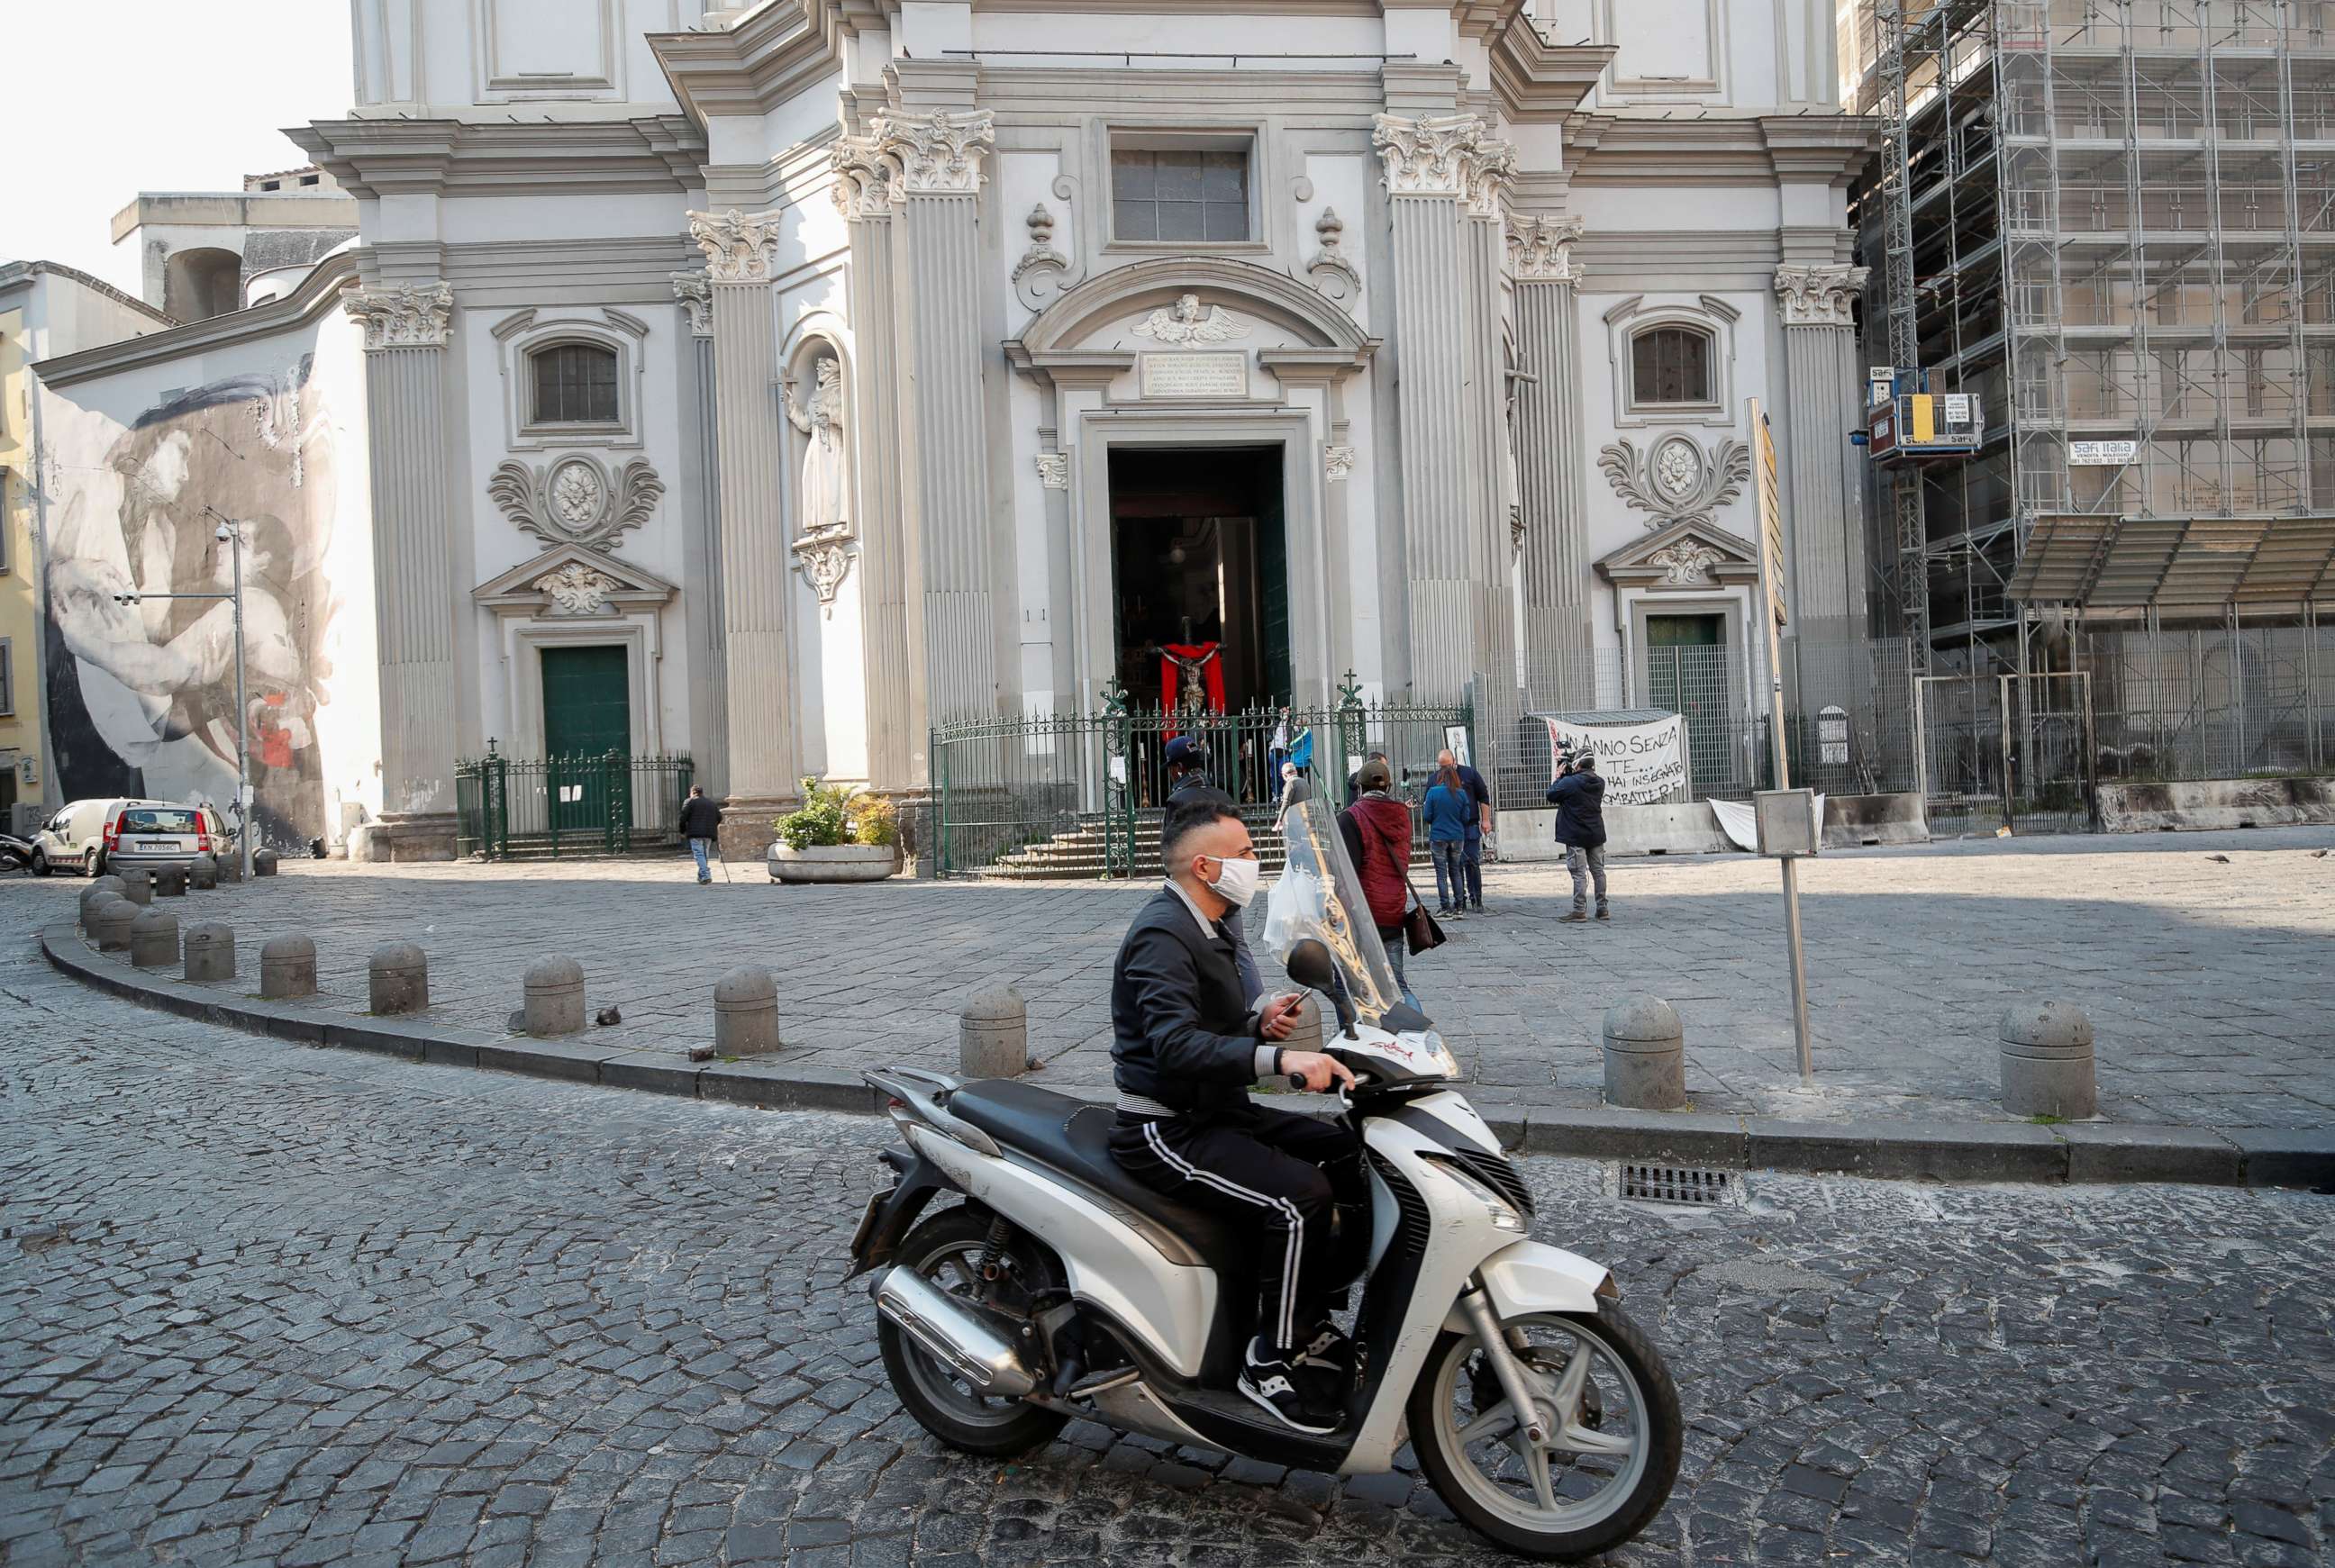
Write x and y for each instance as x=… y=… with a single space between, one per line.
x=142 y=695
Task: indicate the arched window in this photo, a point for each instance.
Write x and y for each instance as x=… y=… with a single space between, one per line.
x=1669 y=364
x=574 y=384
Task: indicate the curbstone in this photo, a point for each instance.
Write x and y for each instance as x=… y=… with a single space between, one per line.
x=654 y=1070
x=154 y=940
x=1662 y=1137
x=2285 y=1157
x=210 y=952
x=287 y=968
x=202 y=873
x=993 y=1034
x=398 y=980
x=552 y=998
x=1645 y=1055
x=170 y=881
x=746 y=1012
x=115 y=916
x=2048 y=1062
x=2098 y=1152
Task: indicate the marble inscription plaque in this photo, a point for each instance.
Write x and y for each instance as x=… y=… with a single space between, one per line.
x=1195 y=375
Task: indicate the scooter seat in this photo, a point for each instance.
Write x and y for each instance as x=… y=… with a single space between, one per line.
x=1073 y=1138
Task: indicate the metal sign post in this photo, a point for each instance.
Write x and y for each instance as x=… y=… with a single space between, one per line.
x=1796 y=832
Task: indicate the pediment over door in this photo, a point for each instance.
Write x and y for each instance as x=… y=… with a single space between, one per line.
x=574 y=583
x=1684 y=557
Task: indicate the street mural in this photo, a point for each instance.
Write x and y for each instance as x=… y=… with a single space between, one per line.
x=142 y=695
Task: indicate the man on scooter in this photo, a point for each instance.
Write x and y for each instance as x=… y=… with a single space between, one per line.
x=1187 y=1047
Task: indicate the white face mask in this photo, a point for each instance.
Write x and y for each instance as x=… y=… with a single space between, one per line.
x=1236 y=882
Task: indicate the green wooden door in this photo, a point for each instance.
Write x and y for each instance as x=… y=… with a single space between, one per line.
x=1686 y=672
x=587 y=712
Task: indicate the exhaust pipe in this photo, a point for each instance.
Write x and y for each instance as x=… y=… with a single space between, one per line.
x=941 y=1326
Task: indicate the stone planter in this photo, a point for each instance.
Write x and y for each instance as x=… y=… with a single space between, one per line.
x=834 y=863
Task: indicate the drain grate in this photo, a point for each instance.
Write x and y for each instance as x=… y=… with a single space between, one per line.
x=1669 y=1184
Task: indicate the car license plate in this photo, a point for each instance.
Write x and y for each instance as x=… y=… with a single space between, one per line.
x=166 y=845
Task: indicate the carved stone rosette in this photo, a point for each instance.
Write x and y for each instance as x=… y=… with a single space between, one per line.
x=939 y=153
x=1443 y=155
x=1818 y=295
x=739 y=246
x=574 y=501
x=1676 y=481
x=864 y=177
x=694 y=290
x=1540 y=249
x=410 y=315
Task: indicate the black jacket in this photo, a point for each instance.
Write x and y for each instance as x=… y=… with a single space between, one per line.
x=1182 y=1031
x=1580 y=802
x=701 y=818
x=1252 y=977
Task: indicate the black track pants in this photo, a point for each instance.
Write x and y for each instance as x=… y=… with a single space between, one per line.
x=1274 y=1167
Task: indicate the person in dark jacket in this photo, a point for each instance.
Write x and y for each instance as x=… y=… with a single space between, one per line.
x=1579 y=796
x=1376 y=829
x=1186 y=1046
x=701 y=822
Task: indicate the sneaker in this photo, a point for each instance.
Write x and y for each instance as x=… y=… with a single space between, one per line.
x=1604 y=913
x=1455 y=915
x=1475 y=909
x=1327 y=1361
x=1576 y=917
x=1272 y=1383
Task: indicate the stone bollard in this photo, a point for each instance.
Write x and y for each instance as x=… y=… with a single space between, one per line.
x=746 y=1012
x=400 y=979
x=231 y=867
x=287 y=968
x=202 y=873
x=263 y=862
x=211 y=951
x=154 y=939
x=1645 y=1055
x=93 y=899
x=553 y=992
x=138 y=885
x=115 y=916
x=993 y=1034
x=2047 y=1062
x=170 y=881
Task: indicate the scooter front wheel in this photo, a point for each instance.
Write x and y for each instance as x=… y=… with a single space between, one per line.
x=1608 y=1451
x=946 y=1248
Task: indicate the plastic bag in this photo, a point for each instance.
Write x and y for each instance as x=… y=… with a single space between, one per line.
x=1294 y=910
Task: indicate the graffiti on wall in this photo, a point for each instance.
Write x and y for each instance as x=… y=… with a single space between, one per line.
x=141 y=691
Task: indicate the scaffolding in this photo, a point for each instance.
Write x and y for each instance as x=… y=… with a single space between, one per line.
x=2114 y=221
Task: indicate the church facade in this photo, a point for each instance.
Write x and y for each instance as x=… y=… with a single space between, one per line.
x=771 y=384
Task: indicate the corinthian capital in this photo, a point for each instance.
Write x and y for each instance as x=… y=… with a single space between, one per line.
x=1438 y=156
x=938 y=153
x=696 y=296
x=1540 y=249
x=1486 y=169
x=863 y=176
x=410 y=315
x=739 y=246
x=1818 y=295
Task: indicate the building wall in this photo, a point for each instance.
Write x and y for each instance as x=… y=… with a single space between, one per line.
x=263 y=421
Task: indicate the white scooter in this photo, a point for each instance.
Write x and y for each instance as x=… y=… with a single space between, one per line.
x=1061 y=1288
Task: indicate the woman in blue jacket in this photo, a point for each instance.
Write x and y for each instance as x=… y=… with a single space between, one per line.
x=1448 y=809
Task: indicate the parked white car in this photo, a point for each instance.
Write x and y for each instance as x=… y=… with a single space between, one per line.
x=97 y=836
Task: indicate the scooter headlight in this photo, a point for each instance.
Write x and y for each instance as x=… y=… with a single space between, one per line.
x=1433 y=1053
x=1502 y=1213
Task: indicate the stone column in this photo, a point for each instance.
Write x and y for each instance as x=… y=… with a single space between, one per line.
x=1484 y=245
x=709 y=741
x=757 y=577
x=1551 y=462
x=938 y=156
x=864 y=194
x=413 y=543
x=1823 y=401
x=1454 y=548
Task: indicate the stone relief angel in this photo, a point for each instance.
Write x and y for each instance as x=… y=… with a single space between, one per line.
x=824 y=486
x=1185 y=325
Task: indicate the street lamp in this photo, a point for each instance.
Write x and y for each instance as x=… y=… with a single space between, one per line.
x=230 y=534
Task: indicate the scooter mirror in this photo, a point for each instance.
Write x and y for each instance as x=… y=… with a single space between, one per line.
x=1309 y=965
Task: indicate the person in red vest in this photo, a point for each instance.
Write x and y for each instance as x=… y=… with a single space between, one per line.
x=1377 y=831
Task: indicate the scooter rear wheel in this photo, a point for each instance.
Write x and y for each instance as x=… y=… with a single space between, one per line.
x=1612 y=1451
x=944 y=1248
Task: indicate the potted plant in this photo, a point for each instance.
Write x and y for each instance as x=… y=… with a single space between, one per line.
x=837 y=833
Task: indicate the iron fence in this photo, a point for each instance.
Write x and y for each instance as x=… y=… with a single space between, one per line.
x=608 y=804
x=1007 y=785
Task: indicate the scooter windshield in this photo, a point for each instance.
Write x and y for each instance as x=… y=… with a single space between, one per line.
x=1319 y=895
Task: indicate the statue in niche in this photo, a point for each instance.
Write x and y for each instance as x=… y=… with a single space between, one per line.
x=824 y=486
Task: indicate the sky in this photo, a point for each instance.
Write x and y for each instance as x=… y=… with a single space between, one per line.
x=105 y=100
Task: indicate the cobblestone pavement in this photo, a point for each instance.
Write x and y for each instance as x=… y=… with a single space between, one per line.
x=263 y=1304
x=2206 y=980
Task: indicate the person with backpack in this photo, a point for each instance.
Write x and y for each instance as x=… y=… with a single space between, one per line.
x=1579 y=796
x=1376 y=829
